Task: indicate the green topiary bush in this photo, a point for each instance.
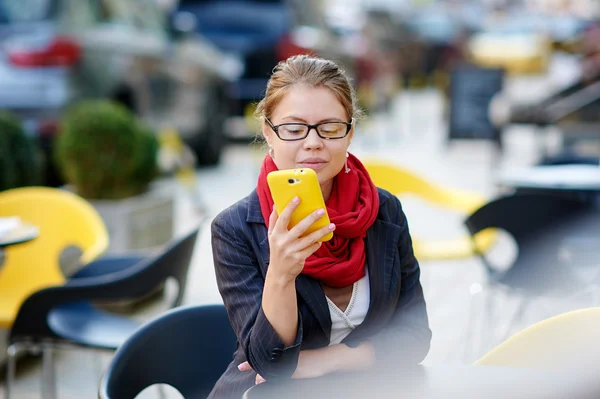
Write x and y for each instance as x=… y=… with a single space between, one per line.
x=104 y=152
x=20 y=160
x=146 y=167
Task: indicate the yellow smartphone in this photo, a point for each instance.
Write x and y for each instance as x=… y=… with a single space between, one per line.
x=303 y=183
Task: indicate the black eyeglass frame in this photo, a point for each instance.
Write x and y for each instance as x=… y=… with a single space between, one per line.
x=275 y=129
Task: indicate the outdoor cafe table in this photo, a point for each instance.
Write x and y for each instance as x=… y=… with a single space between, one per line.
x=24 y=232
x=20 y=233
x=576 y=181
x=465 y=382
x=579 y=180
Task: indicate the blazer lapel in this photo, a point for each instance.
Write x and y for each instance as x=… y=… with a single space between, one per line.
x=311 y=291
x=382 y=254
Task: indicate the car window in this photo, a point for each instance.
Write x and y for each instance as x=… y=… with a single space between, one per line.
x=20 y=11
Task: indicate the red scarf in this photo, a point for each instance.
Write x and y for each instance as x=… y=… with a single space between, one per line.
x=353 y=206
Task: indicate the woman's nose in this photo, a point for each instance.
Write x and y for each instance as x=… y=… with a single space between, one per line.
x=313 y=141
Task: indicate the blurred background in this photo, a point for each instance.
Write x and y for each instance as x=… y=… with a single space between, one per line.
x=483 y=116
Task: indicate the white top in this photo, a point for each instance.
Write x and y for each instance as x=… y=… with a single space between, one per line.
x=342 y=323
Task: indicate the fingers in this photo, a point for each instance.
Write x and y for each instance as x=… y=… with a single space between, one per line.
x=308 y=251
x=315 y=236
x=272 y=220
x=305 y=223
x=286 y=215
x=244 y=366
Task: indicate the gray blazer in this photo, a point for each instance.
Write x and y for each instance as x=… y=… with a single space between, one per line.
x=396 y=322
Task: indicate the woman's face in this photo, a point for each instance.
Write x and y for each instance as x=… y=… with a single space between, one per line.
x=310 y=105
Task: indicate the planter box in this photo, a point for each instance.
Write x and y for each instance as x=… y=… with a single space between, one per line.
x=137 y=224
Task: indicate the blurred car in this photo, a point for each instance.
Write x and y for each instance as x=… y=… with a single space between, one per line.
x=261 y=33
x=56 y=52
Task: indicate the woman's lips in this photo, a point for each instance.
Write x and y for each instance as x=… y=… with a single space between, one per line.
x=312 y=165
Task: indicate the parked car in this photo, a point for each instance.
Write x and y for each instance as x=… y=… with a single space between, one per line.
x=262 y=33
x=56 y=52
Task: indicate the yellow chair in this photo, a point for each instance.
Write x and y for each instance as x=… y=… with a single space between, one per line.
x=568 y=340
x=64 y=220
x=401 y=182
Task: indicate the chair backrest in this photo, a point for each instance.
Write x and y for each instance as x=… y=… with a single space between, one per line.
x=401 y=182
x=188 y=348
x=64 y=220
x=132 y=282
x=525 y=216
x=569 y=340
x=539 y=224
x=173 y=262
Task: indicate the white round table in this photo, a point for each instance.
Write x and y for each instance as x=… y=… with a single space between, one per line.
x=24 y=232
x=553 y=177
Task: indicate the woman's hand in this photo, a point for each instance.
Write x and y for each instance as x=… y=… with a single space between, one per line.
x=289 y=249
x=246 y=367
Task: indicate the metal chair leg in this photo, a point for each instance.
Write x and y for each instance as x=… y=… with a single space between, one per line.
x=517 y=319
x=49 y=375
x=476 y=291
x=12 y=351
x=486 y=333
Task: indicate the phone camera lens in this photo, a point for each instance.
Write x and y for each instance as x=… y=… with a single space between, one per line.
x=291 y=181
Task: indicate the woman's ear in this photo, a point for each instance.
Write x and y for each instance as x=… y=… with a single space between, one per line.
x=267 y=133
x=350 y=135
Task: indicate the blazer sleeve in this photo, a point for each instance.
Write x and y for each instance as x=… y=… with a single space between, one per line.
x=407 y=337
x=240 y=284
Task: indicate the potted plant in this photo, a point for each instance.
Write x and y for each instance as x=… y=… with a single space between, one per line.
x=109 y=158
x=20 y=161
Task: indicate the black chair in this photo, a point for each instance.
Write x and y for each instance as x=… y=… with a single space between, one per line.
x=539 y=224
x=65 y=315
x=553 y=234
x=187 y=348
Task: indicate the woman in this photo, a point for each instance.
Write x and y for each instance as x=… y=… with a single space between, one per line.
x=302 y=309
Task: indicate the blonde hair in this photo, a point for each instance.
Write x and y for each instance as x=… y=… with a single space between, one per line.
x=311 y=71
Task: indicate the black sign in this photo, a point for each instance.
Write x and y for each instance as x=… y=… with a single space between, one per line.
x=471 y=91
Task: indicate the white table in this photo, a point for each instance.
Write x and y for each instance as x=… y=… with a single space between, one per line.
x=437 y=382
x=553 y=177
x=17 y=233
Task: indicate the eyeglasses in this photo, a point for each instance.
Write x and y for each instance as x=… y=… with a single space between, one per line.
x=299 y=131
